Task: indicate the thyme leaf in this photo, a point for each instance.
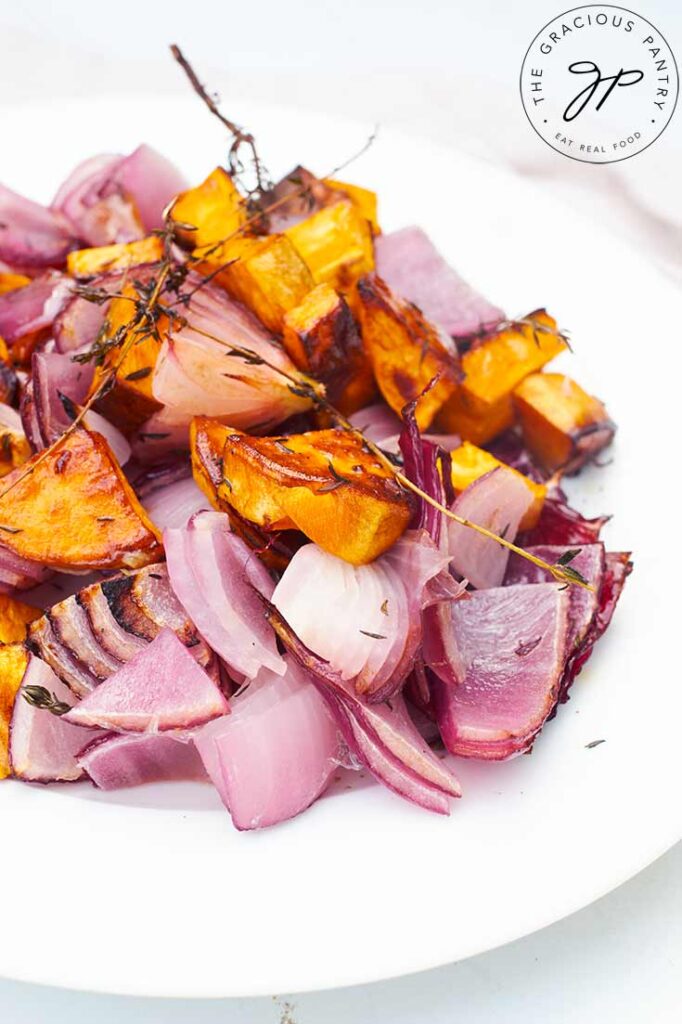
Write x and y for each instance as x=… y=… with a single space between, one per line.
x=40 y=697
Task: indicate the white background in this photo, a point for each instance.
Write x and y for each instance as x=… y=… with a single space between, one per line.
x=448 y=71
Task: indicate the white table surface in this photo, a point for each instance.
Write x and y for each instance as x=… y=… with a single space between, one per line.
x=448 y=70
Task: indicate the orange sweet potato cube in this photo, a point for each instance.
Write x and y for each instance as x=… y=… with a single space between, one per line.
x=9 y=281
x=335 y=243
x=102 y=258
x=562 y=425
x=131 y=401
x=482 y=406
x=265 y=273
x=323 y=483
x=321 y=337
x=76 y=511
x=406 y=351
x=13 y=662
x=210 y=213
x=363 y=198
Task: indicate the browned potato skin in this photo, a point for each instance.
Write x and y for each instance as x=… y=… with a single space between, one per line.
x=321 y=337
x=130 y=402
x=13 y=662
x=482 y=406
x=562 y=425
x=322 y=482
x=405 y=350
x=76 y=511
x=100 y=259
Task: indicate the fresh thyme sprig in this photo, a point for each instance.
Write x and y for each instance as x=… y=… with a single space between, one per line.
x=40 y=697
x=241 y=139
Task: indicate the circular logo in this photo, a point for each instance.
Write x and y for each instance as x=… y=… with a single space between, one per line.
x=599 y=83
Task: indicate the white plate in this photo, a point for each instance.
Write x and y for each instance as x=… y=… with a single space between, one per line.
x=151 y=891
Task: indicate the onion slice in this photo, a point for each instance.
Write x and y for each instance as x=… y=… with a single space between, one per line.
x=410 y=263
x=512 y=644
x=159 y=689
x=498 y=501
x=274 y=755
x=44 y=747
x=30 y=235
x=197 y=374
x=217 y=579
x=118 y=761
x=33 y=307
x=364 y=620
x=382 y=737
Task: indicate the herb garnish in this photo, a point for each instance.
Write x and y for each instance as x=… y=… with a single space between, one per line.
x=40 y=697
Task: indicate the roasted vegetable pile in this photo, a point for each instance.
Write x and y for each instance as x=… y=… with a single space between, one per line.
x=313 y=479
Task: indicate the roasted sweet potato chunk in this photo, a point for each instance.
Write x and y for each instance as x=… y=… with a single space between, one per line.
x=562 y=425
x=336 y=243
x=13 y=662
x=76 y=511
x=9 y=282
x=482 y=405
x=88 y=262
x=363 y=199
x=322 y=339
x=405 y=350
x=323 y=483
x=14 y=619
x=469 y=463
x=265 y=273
x=211 y=212
x=14 y=447
x=207 y=440
x=130 y=402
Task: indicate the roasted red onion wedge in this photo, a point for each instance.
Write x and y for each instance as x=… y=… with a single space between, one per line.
x=17 y=573
x=217 y=579
x=161 y=688
x=172 y=506
x=111 y=198
x=410 y=263
x=120 y=760
x=382 y=737
x=582 y=603
x=617 y=568
x=33 y=307
x=87 y=636
x=199 y=372
x=512 y=644
x=44 y=747
x=30 y=235
x=364 y=620
x=497 y=501
x=274 y=755
x=561 y=524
